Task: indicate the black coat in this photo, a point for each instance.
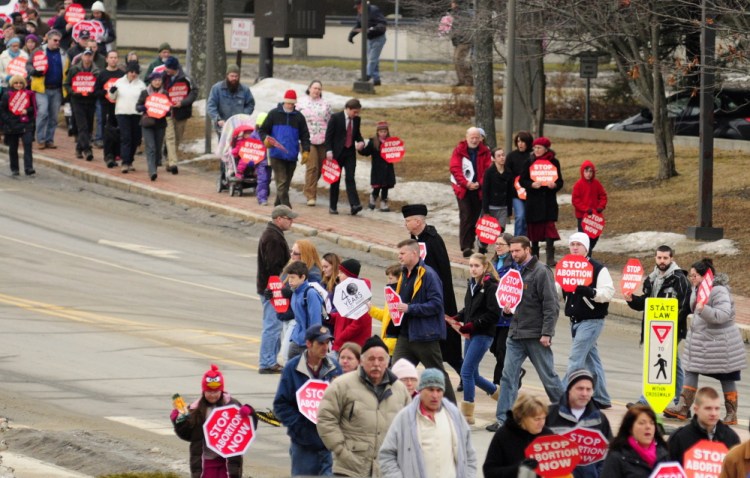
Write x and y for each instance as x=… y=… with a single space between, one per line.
x=497 y=189
x=15 y=124
x=336 y=133
x=626 y=463
x=273 y=254
x=481 y=308
x=541 y=204
x=690 y=434
x=382 y=174
x=506 y=451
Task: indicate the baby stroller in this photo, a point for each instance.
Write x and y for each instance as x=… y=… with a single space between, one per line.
x=227 y=176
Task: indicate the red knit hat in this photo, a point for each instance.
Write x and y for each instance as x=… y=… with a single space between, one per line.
x=542 y=141
x=213 y=380
x=382 y=125
x=290 y=96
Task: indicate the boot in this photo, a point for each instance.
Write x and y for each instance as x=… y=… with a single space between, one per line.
x=384 y=206
x=550 y=253
x=467 y=410
x=371 y=202
x=496 y=394
x=681 y=411
x=730 y=402
x=535 y=249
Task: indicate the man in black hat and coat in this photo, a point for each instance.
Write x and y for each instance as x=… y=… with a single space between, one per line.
x=436 y=256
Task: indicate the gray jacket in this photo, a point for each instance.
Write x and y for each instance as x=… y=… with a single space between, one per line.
x=714 y=343
x=401 y=456
x=537 y=313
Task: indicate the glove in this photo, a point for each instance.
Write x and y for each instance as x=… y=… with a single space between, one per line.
x=113 y=90
x=285 y=316
x=530 y=463
x=351 y=37
x=585 y=291
x=268 y=294
x=467 y=328
x=589 y=211
x=305 y=156
x=599 y=209
x=173 y=416
x=246 y=411
x=286 y=292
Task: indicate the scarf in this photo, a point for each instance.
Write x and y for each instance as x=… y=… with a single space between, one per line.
x=647 y=453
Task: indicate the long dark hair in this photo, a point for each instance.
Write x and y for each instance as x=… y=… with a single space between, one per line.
x=626 y=427
x=526 y=137
x=703 y=266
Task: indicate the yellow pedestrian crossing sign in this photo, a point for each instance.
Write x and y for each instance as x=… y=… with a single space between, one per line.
x=660 y=352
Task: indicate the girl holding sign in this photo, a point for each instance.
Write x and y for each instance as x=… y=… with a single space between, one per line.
x=714 y=344
x=17 y=109
x=382 y=174
x=477 y=321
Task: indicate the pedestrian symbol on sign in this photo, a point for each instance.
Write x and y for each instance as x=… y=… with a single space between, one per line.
x=662 y=364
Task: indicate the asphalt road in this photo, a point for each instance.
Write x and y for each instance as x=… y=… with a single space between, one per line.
x=110 y=303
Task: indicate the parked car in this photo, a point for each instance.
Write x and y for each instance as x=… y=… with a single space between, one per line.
x=731 y=115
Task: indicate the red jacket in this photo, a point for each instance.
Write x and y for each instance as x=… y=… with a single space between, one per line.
x=350 y=330
x=484 y=160
x=588 y=194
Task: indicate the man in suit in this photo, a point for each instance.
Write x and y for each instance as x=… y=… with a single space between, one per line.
x=343 y=140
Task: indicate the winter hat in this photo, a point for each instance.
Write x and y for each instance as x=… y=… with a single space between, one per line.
x=432 y=377
x=580 y=237
x=404 y=369
x=381 y=125
x=482 y=133
x=290 y=96
x=213 y=380
x=156 y=75
x=31 y=36
x=414 y=210
x=13 y=41
x=374 y=341
x=134 y=67
x=541 y=141
x=98 y=7
x=164 y=46
x=350 y=267
x=578 y=375
x=172 y=63
x=233 y=69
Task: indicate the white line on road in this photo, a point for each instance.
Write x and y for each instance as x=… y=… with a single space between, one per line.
x=27 y=467
x=160 y=428
x=141 y=249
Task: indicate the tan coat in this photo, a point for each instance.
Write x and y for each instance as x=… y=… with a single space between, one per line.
x=353 y=424
x=737 y=462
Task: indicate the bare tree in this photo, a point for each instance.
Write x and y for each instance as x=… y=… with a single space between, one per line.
x=200 y=48
x=484 y=86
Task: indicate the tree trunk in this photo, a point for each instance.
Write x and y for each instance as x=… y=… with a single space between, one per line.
x=484 y=86
x=528 y=114
x=111 y=7
x=663 y=132
x=299 y=48
x=199 y=49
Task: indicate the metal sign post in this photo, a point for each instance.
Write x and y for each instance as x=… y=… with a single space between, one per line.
x=589 y=69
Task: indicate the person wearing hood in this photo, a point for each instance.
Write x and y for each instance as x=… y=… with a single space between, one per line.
x=667 y=280
x=589 y=196
x=14 y=50
x=587 y=308
x=285 y=134
x=576 y=409
x=714 y=345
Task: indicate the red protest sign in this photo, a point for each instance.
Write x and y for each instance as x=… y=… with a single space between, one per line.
x=543 y=171
x=392 y=150
x=593 y=225
x=704 y=459
x=510 y=290
x=557 y=456
x=704 y=290
x=20 y=100
x=84 y=25
x=253 y=150
x=280 y=303
x=227 y=432
x=632 y=274
x=572 y=271
x=422 y=250
x=17 y=66
x=5 y=18
x=178 y=92
x=331 y=171
x=520 y=190
x=83 y=83
x=309 y=397
x=487 y=229
x=392 y=300
x=157 y=105
x=97 y=30
x=75 y=13
x=592 y=444
x=39 y=61
x=107 y=85
x=668 y=469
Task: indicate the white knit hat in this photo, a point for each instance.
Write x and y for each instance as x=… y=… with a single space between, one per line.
x=581 y=237
x=404 y=369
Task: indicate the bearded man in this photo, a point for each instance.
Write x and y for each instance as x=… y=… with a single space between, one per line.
x=229 y=97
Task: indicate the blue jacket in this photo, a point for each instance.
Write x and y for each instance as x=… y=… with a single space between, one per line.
x=289 y=129
x=301 y=430
x=425 y=318
x=305 y=315
x=223 y=104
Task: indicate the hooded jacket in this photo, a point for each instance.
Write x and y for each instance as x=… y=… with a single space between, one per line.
x=673 y=283
x=588 y=195
x=288 y=128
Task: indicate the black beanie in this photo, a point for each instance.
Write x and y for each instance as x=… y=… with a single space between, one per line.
x=350 y=267
x=374 y=341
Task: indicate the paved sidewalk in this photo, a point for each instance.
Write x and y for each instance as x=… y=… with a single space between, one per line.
x=367 y=232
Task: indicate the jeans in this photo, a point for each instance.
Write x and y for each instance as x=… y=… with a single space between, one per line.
x=374 y=47
x=474 y=350
x=584 y=354
x=516 y=352
x=153 y=138
x=519 y=210
x=270 y=337
x=306 y=462
x=99 y=132
x=48 y=106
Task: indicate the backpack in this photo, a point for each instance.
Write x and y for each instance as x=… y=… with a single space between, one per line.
x=323 y=294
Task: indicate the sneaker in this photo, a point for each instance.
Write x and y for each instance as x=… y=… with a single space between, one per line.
x=89 y=155
x=384 y=206
x=51 y=145
x=131 y=168
x=275 y=369
x=311 y=202
x=263 y=203
x=333 y=211
x=493 y=427
x=124 y=169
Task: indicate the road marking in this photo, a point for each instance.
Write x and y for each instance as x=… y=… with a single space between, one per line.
x=141 y=249
x=152 y=426
x=33 y=468
x=130 y=269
